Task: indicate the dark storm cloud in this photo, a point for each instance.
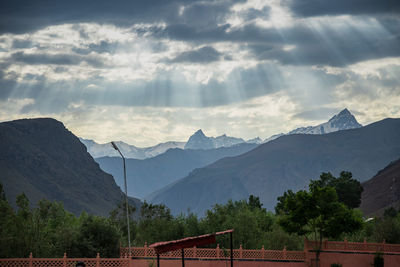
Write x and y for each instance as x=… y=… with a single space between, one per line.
x=55 y=59
x=205 y=54
x=25 y=15
x=310 y=8
x=328 y=46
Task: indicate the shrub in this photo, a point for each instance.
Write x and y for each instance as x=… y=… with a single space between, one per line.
x=378 y=260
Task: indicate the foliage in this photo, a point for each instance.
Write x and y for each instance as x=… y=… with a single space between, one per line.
x=118 y=219
x=348 y=189
x=378 y=260
x=336 y=265
x=157 y=224
x=317 y=212
x=250 y=221
x=50 y=231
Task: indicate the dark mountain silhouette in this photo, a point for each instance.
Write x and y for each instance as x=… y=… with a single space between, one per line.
x=148 y=175
x=41 y=158
x=288 y=162
x=382 y=191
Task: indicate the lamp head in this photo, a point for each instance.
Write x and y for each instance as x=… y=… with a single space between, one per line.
x=114 y=146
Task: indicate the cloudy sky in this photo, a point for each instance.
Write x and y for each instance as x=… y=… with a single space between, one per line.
x=154 y=70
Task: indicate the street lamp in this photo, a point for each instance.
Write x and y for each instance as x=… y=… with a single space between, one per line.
x=126 y=196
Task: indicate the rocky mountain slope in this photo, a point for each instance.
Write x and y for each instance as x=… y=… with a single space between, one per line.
x=288 y=162
x=41 y=158
x=382 y=191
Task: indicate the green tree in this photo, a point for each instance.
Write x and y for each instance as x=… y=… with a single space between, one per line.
x=97 y=234
x=7 y=227
x=157 y=224
x=118 y=218
x=319 y=213
x=348 y=189
x=250 y=221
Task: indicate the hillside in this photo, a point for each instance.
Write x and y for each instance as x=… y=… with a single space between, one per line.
x=43 y=159
x=288 y=162
x=148 y=175
x=382 y=191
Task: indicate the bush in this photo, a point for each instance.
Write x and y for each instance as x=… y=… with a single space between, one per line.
x=378 y=260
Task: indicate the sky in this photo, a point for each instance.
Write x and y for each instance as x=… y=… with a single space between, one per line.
x=150 y=71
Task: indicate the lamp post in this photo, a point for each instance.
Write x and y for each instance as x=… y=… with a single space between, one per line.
x=126 y=196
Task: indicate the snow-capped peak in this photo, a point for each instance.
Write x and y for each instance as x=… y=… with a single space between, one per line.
x=344 y=120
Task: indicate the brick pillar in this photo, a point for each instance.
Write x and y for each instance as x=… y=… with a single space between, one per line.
x=284 y=253
x=65 y=260
x=30 y=259
x=240 y=252
x=263 y=252
x=217 y=251
x=145 y=249
x=194 y=252
x=98 y=260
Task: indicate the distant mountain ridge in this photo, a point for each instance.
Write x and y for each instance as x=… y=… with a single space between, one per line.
x=129 y=151
x=149 y=175
x=344 y=120
x=41 y=158
x=288 y=162
x=199 y=141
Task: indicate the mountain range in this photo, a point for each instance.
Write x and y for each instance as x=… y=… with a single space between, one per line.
x=148 y=175
x=288 y=162
x=344 y=120
x=41 y=158
x=129 y=151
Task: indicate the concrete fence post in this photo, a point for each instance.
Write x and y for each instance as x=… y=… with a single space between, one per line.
x=217 y=251
x=240 y=252
x=65 y=260
x=284 y=253
x=194 y=252
x=98 y=260
x=30 y=259
x=263 y=252
x=145 y=249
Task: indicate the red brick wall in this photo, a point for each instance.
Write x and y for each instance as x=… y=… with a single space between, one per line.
x=214 y=263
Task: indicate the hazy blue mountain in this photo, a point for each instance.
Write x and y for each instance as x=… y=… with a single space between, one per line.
x=41 y=158
x=344 y=120
x=382 y=191
x=148 y=175
x=288 y=162
x=129 y=151
x=200 y=141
